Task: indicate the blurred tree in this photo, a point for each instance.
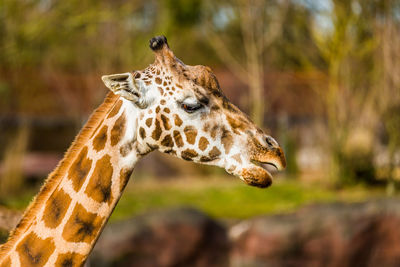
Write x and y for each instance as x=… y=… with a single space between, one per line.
x=347 y=45
x=389 y=94
x=251 y=26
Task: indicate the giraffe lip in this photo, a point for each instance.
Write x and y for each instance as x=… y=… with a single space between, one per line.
x=265 y=164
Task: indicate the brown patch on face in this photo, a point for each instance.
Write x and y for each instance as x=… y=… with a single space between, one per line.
x=82 y=226
x=179 y=86
x=178 y=139
x=191 y=134
x=157 y=131
x=126 y=148
x=166 y=123
x=214 y=153
x=147 y=83
x=165 y=83
x=189 y=154
x=162 y=102
x=100 y=140
x=142 y=133
x=161 y=90
x=118 y=130
x=237 y=158
x=237 y=124
x=229 y=106
x=203 y=143
x=178 y=121
x=99 y=187
x=115 y=110
x=157 y=109
x=215 y=107
x=206 y=127
x=149 y=121
x=158 y=80
x=214 y=131
x=124 y=175
x=166 y=110
x=56 y=208
x=227 y=141
x=167 y=141
x=34 y=251
x=79 y=169
x=70 y=259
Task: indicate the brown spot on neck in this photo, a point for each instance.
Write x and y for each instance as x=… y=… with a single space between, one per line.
x=126 y=148
x=100 y=140
x=34 y=251
x=118 y=130
x=70 y=260
x=99 y=187
x=82 y=226
x=56 y=208
x=79 y=169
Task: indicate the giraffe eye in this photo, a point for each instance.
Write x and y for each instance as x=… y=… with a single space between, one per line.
x=190 y=108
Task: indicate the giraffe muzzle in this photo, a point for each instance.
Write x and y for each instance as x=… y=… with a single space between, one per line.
x=266 y=153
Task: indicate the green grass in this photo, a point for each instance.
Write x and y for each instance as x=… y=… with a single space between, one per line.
x=228 y=197
x=220 y=197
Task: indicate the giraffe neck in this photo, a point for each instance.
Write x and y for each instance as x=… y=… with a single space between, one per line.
x=63 y=222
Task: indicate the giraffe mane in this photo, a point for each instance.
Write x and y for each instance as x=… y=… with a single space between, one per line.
x=54 y=177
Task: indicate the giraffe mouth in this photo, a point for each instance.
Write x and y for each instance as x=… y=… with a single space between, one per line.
x=259 y=172
x=266 y=165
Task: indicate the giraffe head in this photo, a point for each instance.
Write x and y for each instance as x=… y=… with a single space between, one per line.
x=183 y=112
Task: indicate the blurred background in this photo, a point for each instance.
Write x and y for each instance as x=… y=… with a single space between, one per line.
x=322 y=76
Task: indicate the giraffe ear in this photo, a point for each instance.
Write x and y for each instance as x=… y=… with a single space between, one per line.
x=123 y=84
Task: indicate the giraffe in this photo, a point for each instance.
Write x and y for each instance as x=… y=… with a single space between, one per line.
x=169 y=106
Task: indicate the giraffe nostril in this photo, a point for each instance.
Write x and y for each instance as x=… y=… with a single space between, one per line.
x=271 y=141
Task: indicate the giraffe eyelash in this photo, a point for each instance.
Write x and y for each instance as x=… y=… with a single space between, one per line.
x=190 y=108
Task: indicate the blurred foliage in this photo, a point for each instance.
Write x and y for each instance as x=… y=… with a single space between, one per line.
x=53 y=52
x=220 y=196
x=12 y=178
x=227 y=197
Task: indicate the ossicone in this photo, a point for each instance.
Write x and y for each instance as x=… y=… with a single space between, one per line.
x=158 y=42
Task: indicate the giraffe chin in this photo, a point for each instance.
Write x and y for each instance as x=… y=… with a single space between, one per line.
x=256 y=176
